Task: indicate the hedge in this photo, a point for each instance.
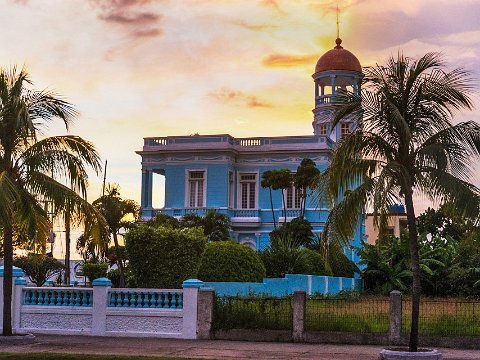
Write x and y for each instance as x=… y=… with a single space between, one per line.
x=230 y=261
x=163 y=257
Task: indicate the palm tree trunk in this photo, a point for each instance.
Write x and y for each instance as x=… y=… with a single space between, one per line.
x=417 y=287
x=271 y=207
x=121 y=282
x=67 y=246
x=7 y=279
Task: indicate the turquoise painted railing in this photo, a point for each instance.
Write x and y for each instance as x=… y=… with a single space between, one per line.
x=58 y=297
x=143 y=298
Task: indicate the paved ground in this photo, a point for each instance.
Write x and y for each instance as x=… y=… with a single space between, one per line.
x=204 y=349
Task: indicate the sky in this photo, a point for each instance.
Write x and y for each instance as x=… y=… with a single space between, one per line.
x=138 y=68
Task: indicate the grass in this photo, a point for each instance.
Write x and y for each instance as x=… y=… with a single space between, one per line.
x=54 y=356
x=252 y=313
x=364 y=314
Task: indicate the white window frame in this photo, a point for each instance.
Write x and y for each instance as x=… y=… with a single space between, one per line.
x=296 y=197
x=239 y=189
x=187 y=188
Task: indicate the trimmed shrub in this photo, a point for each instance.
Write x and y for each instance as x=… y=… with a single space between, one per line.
x=230 y=261
x=315 y=264
x=39 y=267
x=95 y=271
x=163 y=257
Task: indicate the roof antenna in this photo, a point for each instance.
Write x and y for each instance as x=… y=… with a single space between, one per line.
x=338 y=23
x=338 y=41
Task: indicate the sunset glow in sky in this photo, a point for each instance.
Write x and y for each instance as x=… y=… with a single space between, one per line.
x=243 y=67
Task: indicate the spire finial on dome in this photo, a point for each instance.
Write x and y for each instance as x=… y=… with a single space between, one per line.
x=338 y=41
x=338 y=23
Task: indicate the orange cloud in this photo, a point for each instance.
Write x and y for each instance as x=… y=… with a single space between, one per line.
x=253 y=27
x=238 y=97
x=285 y=60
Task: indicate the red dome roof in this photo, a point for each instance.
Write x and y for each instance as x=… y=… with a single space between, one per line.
x=338 y=59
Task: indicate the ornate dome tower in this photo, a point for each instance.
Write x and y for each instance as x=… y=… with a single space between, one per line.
x=336 y=69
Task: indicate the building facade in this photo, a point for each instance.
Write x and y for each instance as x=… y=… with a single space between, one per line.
x=224 y=173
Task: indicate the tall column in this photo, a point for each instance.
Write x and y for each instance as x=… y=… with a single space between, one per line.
x=146 y=189
x=316 y=92
x=355 y=85
x=332 y=79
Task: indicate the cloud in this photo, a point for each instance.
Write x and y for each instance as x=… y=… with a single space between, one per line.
x=253 y=27
x=131 y=16
x=285 y=60
x=273 y=4
x=238 y=97
x=141 y=19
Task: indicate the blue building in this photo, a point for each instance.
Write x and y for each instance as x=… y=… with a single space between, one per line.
x=224 y=173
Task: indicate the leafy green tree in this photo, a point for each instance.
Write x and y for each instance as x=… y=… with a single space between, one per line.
x=299 y=230
x=404 y=141
x=33 y=170
x=116 y=210
x=216 y=226
x=305 y=177
x=164 y=220
x=38 y=267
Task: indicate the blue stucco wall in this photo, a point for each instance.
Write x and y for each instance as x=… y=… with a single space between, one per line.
x=311 y=284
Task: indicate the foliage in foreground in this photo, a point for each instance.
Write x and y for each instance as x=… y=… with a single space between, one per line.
x=403 y=141
x=230 y=261
x=38 y=267
x=164 y=257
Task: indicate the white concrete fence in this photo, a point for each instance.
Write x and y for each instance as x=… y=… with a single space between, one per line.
x=103 y=311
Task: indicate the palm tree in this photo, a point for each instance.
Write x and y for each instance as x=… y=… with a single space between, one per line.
x=404 y=142
x=115 y=209
x=281 y=179
x=267 y=182
x=305 y=179
x=32 y=169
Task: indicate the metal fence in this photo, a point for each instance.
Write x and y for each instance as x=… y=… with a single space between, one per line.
x=363 y=314
x=443 y=317
x=360 y=315
x=252 y=313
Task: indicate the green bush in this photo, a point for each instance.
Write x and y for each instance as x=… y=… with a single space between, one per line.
x=114 y=276
x=340 y=264
x=315 y=264
x=163 y=257
x=95 y=271
x=38 y=267
x=230 y=261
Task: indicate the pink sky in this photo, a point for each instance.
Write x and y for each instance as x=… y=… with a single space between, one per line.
x=173 y=67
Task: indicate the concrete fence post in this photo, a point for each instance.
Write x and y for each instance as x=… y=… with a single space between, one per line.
x=19 y=284
x=395 y=329
x=206 y=298
x=190 y=307
x=299 y=299
x=101 y=286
